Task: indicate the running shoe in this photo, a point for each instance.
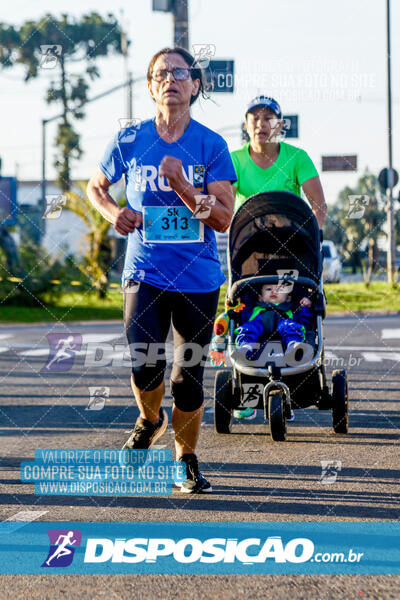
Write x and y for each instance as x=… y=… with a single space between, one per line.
x=247 y=414
x=195 y=482
x=145 y=433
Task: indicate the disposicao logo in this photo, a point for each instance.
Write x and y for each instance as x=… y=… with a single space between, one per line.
x=62 y=547
x=190 y=550
x=62 y=352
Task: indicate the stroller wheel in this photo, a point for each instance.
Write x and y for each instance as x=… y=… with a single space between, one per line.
x=276 y=413
x=340 y=402
x=223 y=402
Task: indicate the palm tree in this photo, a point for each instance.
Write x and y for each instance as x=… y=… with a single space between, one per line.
x=96 y=264
x=363 y=226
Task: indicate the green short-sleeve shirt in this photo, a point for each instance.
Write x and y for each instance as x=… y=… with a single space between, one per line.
x=288 y=173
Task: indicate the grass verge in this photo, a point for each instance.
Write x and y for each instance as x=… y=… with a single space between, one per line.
x=75 y=306
x=351 y=297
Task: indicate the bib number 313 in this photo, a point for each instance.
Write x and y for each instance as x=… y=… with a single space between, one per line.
x=166 y=224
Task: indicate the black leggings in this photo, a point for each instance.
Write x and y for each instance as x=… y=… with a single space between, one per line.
x=148 y=311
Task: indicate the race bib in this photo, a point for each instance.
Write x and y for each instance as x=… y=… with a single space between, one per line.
x=166 y=224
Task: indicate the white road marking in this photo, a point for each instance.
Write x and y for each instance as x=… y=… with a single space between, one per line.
x=379 y=356
x=361 y=348
x=87 y=338
x=45 y=352
x=388 y=334
x=5 y=336
x=20 y=519
x=35 y=352
x=90 y=338
x=330 y=355
x=158 y=447
x=4 y=349
x=27 y=515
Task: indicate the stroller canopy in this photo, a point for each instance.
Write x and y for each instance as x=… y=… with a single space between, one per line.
x=274 y=230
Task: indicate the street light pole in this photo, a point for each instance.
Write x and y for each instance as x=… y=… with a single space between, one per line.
x=181 y=23
x=128 y=74
x=391 y=253
x=179 y=10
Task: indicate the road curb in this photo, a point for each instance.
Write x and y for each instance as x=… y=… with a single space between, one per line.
x=364 y=313
x=67 y=323
x=356 y=313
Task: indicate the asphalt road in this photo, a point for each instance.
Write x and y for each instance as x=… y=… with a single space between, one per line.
x=254 y=479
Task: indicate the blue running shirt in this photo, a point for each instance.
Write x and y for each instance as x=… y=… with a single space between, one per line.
x=137 y=152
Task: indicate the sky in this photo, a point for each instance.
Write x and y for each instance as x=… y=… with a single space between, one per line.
x=322 y=60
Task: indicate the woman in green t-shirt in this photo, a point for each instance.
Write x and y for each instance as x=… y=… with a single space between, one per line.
x=266 y=164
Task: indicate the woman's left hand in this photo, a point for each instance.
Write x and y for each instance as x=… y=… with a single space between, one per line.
x=171 y=168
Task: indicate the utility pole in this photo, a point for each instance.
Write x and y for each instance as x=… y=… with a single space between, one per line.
x=391 y=251
x=128 y=74
x=181 y=23
x=179 y=10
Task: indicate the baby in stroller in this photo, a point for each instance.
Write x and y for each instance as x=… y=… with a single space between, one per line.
x=273 y=313
x=273 y=316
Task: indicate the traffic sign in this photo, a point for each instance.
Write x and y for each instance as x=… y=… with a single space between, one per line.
x=8 y=201
x=220 y=75
x=162 y=5
x=291 y=126
x=383 y=178
x=339 y=163
x=245 y=135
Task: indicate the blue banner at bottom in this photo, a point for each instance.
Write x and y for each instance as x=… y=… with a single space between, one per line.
x=199 y=548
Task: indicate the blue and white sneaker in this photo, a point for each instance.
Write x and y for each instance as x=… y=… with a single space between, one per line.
x=291 y=418
x=246 y=414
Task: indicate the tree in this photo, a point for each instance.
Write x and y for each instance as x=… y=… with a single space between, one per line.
x=59 y=44
x=356 y=222
x=96 y=264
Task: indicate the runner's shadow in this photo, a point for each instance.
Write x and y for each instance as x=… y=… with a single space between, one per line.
x=219 y=501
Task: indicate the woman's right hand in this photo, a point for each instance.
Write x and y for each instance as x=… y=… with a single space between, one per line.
x=127 y=220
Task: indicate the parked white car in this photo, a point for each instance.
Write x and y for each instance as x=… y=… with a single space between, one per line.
x=332 y=265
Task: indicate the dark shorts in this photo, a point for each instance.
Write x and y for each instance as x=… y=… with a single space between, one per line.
x=148 y=313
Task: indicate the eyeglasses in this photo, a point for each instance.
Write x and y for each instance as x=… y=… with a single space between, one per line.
x=178 y=73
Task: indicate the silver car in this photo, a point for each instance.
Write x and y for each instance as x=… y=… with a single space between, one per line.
x=332 y=266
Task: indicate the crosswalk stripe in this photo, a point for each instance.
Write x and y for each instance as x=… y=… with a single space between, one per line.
x=90 y=338
x=19 y=520
x=362 y=348
x=35 y=352
x=27 y=515
x=380 y=356
x=330 y=355
x=388 y=334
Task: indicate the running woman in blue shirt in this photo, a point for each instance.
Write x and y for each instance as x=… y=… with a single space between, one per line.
x=178 y=177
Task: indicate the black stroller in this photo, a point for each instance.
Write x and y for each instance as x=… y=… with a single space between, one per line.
x=274 y=238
